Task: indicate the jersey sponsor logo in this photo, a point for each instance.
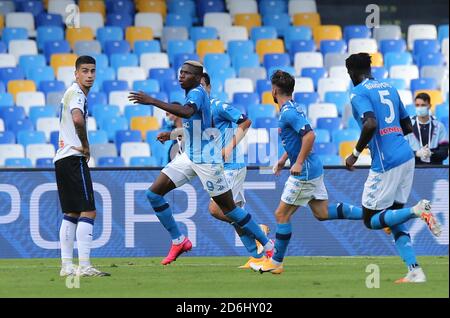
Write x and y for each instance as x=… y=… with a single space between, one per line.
x=390 y=130
x=186 y=125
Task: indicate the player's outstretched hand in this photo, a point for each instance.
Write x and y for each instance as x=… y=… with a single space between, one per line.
x=350 y=162
x=163 y=136
x=140 y=98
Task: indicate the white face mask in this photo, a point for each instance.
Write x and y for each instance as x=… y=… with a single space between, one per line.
x=422 y=111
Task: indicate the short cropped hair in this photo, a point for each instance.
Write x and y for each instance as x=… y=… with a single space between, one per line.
x=359 y=62
x=284 y=81
x=424 y=96
x=198 y=67
x=84 y=59
x=207 y=79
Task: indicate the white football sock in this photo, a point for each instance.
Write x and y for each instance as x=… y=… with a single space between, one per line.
x=67 y=238
x=178 y=240
x=84 y=240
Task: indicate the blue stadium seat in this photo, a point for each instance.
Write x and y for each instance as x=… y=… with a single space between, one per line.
x=332 y=46
x=31 y=6
x=97 y=137
x=37 y=112
x=111 y=162
x=182 y=7
x=162 y=74
x=120 y=6
x=94 y=98
x=179 y=20
x=379 y=72
x=246 y=98
x=393 y=45
x=221 y=75
x=113 y=124
x=170 y=86
x=127 y=136
x=261 y=33
x=442 y=32
x=411 y=110
x=202 y=33
x=315 y=73
x=398 y=83
x=44 y=163
x=48 y=33
x=331 y=160
x=266 y=122
x=116 y=47
x=150 y=85
x=426 y=46
x=48 y=86
x=306 y=98
x=49 y=19
x=122 y=20
x=120 y=60
x=296 y=33
x=12 y=113
x=240 y=47
x=18 y=163
x=330 y=124
x=2 y=87
x=137 y=110
x=423 y=83
x=7 y=137
x=141 y=47
x=54 y=47
x=339 y=136
x=9 y=34
x=101 y=61
x=441 y=111
x=263 y=85
x=260 y=110
x=177 y=96
x=223 y=96
x=103 y=74
x=26 y=137
x=54 y=138
x=158 y=150
x=144 y=162
x=272 y=7
x=102 y=111
x=322 y=135
x=356 y=32
x=245 y=60
x=180 y=58
x=397 y=58
x=430 y=59
x=40 y=74
x=160 y=95
x=301 y=46
x=324 y=148
x=340 y=99
x=6 y=99
x=11 y=73
x=3 y=48
x=280 y=21
x=209 y=6
x=179 y=46
x=115 y=85
x=216 y=61
x=276 y=60
x=18 y=125
x=109 y=33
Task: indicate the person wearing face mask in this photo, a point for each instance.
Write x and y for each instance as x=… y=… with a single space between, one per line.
x=429 y=139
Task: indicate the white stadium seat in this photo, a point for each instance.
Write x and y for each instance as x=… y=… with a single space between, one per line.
x=152 y=20
x=47 y=125
x=406 y=72
x=91 y=124
x=134 y=149
x=10 y=151
x=119 y=98
x=21 y=20
x=387 y=32
x=218 y=20
x=307 y=59
x=36 y=151
x=362 y=45
x=233 y=33
x=301 y=6
x=22 y=47
x=304 y=85
x=154 y=60
x=238 y=85
x=422 y=32
x=405 y=96
x=59 y=6
x=93 y=20
x=7 y=60
x=131 y=74
x=239 y=6
x=339 y=72
x=331 y=85
x=28 y=99
x=445 y=50
x=321 y=110
x=66 y=74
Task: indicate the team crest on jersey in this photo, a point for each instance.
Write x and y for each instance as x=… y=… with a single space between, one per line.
x=186 y=125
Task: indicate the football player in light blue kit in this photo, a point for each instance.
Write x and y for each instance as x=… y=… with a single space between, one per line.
x=305 y=185
x=197 y=160
x=233 y=126
x=384 y=122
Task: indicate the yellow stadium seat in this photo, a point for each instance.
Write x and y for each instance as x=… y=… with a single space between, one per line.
x=45 y=4
x=58 y=60
x=18 y=86
x=435 y=96
x=92 y=6
x=269 y=46
x=74 y=35
x=377 y=59
x=134 y=34
x=209 y=46
x=310 y=19
x=267 y=98
x=327 y=32
x=346 y=148
x=248 y=20
x=2 y=22
x=156 y=6
x=143 y=124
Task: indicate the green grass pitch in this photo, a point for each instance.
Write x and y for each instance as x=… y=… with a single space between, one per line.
x=219 y=277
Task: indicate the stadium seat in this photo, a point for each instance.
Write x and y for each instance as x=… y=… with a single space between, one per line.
x=26 y=137
x=262 y=33
x=134 y=149
x=28 y=99
x=218 y=20
x=18 y=163
x=134 y=34
x=154 y=60
x=253 y=73
x=376 y=59
x=54 y=98
x=173 y=33
x=324 y=148
x=7 y=137
x=19 y=48
x=379 y=73
x=109 y=33
x=329 y=123
x=267 y=99
x=127 y=136
x=203 y=33
x=183 y=57
x=327 y=32
x=103 y=111
x=441 y=111
x=141 y=47
x=116 y=47
x=47 y=125
x=303 y=84
x=114 y=85
x=162 y=74
x=276 y=60
x=112 y=124
x=234 y=33
x=238 y=85
x=55 y=47
x=322 y=135
x=11 y=73
x=179 y=46
x=340 y=99
x=339 y=136
x=137 y=111
x=44 y=163
x=179 y=20
x=96 y=137
x=79 y=34
x=319 y=110
x=406 y=72
x=430 y=59
x=260 y=111
x=280 y=21
x=391 y=45
x=10 y=151
x=124 y=20
x=49 y=19
x=214 y=62
x=18 y=86
x=356 y=32
x=387 y=32
x=397 y=83
x=92 y=20
x=153 y=6
x=60 y=60
x=423 y=84
x=306 y=98
x=405 y=96
x=264 y=47
x=436 y=72
x=111 y=162
x=21 y=20
x=334 y=59
x=421 y=31
x=144 y=162
x=296 y=33
x=331 y=160
x=40 y=74
x=248 y=20
x=11 y=114
x=362 y=45
x=143 y=124
x=92 y=6
x=35 y=151
x=246 y=98
x=103 y=150
x=333 y=46
x=307 y=59
x=315 y=73
x=120 y=60
x=87 y=48
x=209 y=46
x=301 y=46
x=150 y=85
x=9 y=34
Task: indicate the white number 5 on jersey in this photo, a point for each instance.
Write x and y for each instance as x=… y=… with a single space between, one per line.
x=389 y=103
